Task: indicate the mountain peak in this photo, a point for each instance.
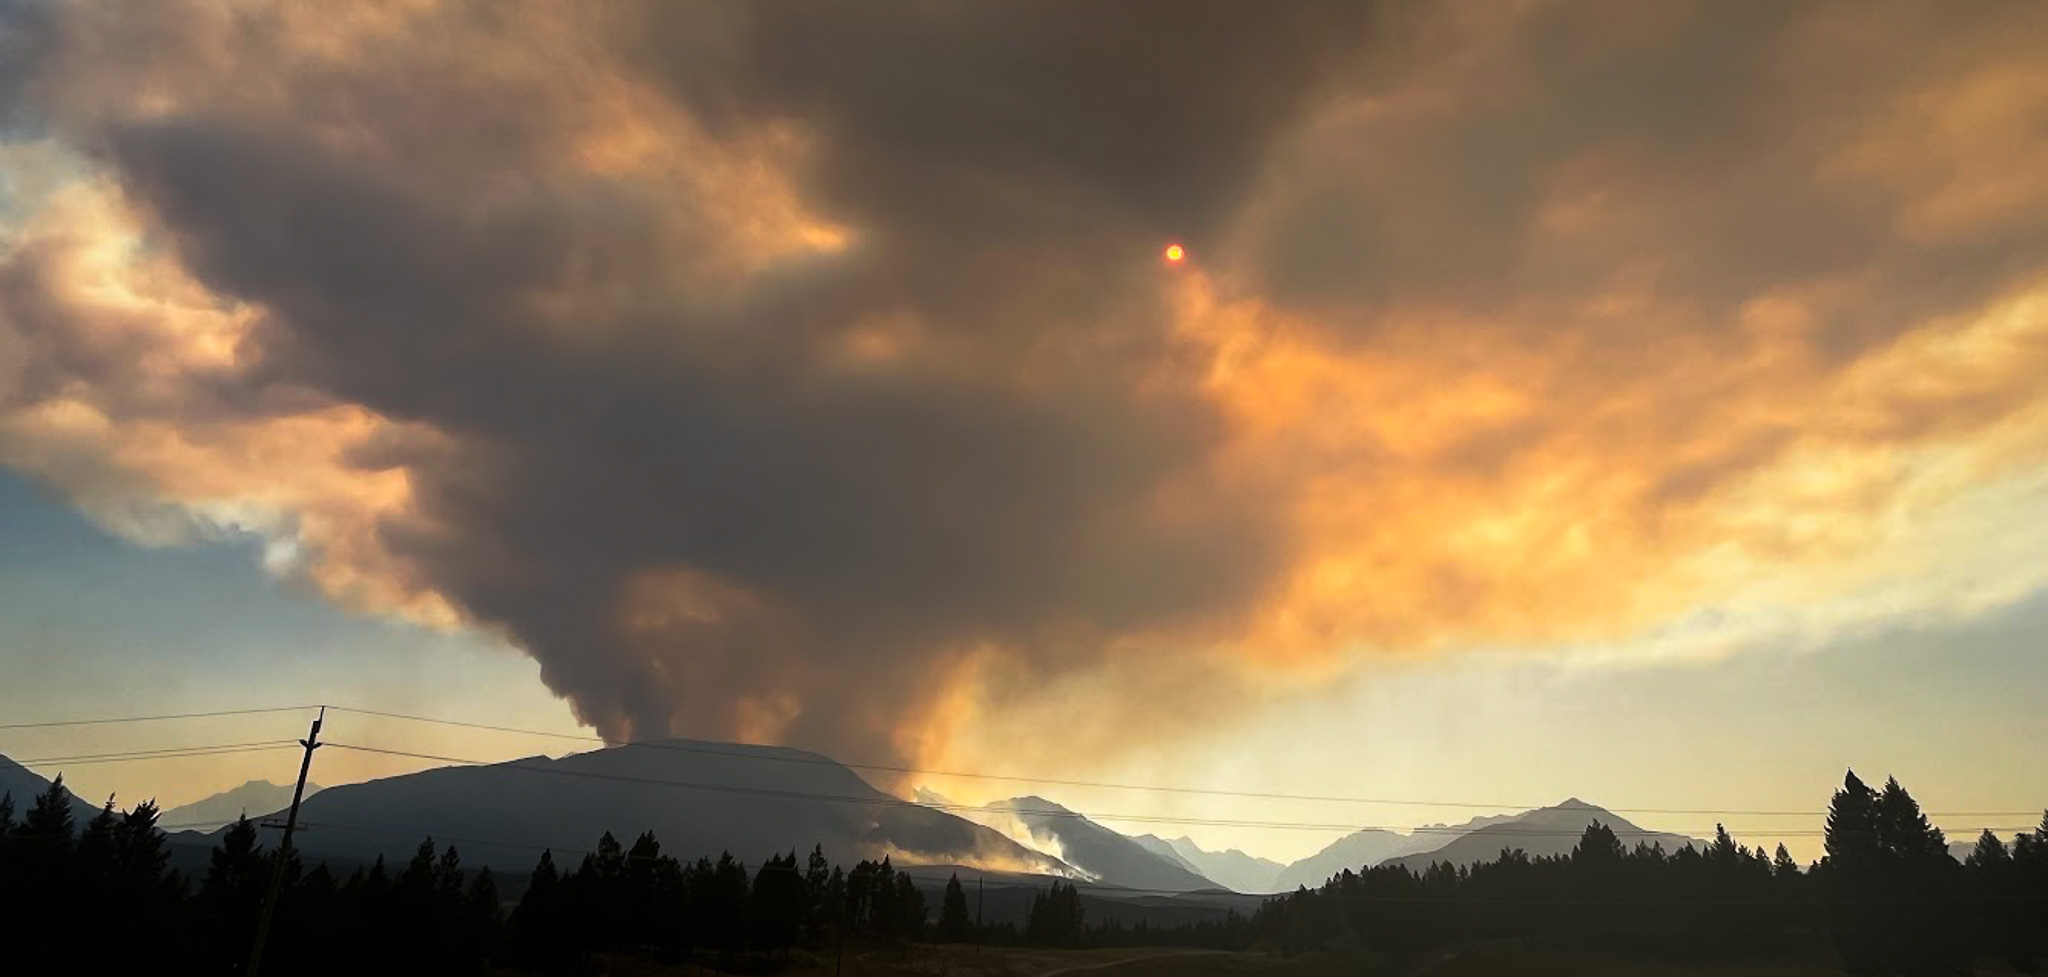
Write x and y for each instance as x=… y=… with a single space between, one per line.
x=1030 y=803
x=254 y=799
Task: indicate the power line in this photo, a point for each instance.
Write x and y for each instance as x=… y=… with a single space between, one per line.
x=824 y=761
x=156 y=754
x=883 y=800
x=149 y=719
x=125 y=754
x=1261 y=795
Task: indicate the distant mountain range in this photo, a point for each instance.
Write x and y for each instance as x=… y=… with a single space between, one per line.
x=1544 y=831
x=1232 y=869
x=1355 y=851
x=255 y=798
x=1084 y=844
x=1096 y=852
x=702 y=798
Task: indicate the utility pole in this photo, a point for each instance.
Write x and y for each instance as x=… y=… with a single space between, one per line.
x=980 y=897
x=284 y=848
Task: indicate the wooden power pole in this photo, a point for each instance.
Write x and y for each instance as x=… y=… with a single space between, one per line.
x=284 y=848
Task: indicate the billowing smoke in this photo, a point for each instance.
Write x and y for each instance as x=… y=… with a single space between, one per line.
x=808 y=372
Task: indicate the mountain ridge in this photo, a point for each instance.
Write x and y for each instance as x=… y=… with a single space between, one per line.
x=1553 y=830
x=698 y=797
x=24 y=785
x=254 y=798
x=1110 y=856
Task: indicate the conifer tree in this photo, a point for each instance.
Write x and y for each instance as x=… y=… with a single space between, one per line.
x=48 y=824
x=141 y=845
x=1854 y=861
x=230 y=895
x=644 y=905
x=234 y=872
x=1783 y=866
x=378 y=882
x=955 y=924
x=1990 y=854
x=778 y=903
x=448 y=876
x=92 y=861
x=481 y=898
x=538 y=934
x=480 y=916
x=910 y=908
x=2027 y=936
x=418 y=877
x=1903 y=831
x=821 y=911
x=726 y=906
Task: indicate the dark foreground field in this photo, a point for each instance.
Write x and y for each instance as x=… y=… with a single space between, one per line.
x=1520 y=959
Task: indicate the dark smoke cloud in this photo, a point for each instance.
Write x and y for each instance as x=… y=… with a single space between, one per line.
x=752 y=365
x=1008 y=172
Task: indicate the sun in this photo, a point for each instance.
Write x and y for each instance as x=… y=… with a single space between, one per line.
x=1175 y=254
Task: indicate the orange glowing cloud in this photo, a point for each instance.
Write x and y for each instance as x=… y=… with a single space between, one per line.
x=757 y=395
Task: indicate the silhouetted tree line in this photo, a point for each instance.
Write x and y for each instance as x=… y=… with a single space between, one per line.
x=640 y=900
x=1887 y=894
x=100 y=898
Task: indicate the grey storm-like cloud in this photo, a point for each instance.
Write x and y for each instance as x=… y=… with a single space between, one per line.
x=809 y=372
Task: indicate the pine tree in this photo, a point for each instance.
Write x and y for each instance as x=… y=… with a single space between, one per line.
x=142 y=853
x=1723 y=852
x=416 y=920
x=1855 y=860
x=1056 y=917
x=883 y=918
x=1903 y=831
x=230 y=895
x=537 y=922
x=778 y=903
x=482 y=896
x=1598 y=845
x=418 y=876
x=93 y=861
x=1990 y=854
x=48 y=824
x=911 y=910
x=1851 y=832
x=1782 y=864
x=6 y=815
x=838 y=897
x=2026 y=933
x=725 y=907
x=1923 y=929
x=448 y=876
x=480 y=916
x=234 y=872
x=821 y=912
x=643 y=904
x=955 y=925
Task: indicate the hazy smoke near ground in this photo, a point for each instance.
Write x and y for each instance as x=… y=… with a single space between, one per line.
x=809 y=372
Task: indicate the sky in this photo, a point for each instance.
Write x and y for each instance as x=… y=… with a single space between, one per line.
x=1635 y=402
